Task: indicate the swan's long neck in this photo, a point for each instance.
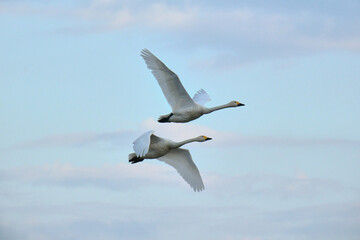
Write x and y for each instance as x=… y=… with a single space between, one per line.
x=209 y=110
x=179 y=144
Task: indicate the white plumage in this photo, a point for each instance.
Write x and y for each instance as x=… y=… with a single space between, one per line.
x=150 y=146
x=181 y=160
x=184 y=108
x=142 y=144
x=169 y=82
x=201 y=97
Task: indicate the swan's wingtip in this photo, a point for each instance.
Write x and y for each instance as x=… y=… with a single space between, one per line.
x=145 y=51
x=199 y=189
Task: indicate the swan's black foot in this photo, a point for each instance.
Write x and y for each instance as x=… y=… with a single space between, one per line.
x=163 y=119
x=135 y=160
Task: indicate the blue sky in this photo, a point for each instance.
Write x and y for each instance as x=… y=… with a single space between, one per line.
x=75 y=93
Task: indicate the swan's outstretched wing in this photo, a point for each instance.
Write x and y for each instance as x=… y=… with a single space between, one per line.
x=181 y=160
x=142 y=144
x=169 y=82
x=201 y=97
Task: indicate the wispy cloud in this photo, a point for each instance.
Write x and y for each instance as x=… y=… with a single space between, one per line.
x=96 y=221
x=119 y=138
x=124 y=177
x=85 y=139
x=271 y=185
x=234 y=35
x=120 y=176
x=178 y=132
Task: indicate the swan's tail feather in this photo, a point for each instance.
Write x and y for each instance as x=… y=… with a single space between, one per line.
x=134 y=159
x=165 y=118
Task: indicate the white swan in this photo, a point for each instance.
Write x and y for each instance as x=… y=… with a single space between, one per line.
x=150 y=146
x=184 y=108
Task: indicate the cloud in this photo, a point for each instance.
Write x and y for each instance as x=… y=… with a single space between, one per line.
x=86 y=139
x=233 y=35
x=120 y=138
x=179 y=132
x=95 y=221
x=293 y=141
x=9 y=232
x=114 y=138
x=270 y=185
x=104 y=219
x=125 y=177
x=119 y=176
x=230 y=29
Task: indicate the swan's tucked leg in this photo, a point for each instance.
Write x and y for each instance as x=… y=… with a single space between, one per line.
x=165 y=118
x=134 y=159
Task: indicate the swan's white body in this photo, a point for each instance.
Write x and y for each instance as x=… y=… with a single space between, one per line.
x=150 y=146
x=184 y=108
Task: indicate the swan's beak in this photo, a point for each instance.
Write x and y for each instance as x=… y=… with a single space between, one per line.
x=207 y=138
x=240 y=104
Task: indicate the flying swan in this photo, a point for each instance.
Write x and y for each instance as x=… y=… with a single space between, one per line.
x=184 y=108
x=150 y=146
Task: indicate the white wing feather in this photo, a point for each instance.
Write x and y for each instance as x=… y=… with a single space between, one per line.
x=201 y=97
x=181 y=160
x=169 y=82
x=142 y=144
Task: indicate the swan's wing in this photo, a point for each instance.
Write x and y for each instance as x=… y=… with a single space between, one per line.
x=181 y=160
x=201 y=97
x=169 y=82
x=142 y=144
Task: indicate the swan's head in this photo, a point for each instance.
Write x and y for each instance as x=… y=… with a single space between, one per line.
x=203 y=138
x=236 y=104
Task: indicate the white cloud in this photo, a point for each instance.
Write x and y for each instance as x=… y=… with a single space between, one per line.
x=115 y=221
x=120 y=176
x=270 y=185
x=163 y=16
x=103 y=3
x=177 y=132
x=253 y=32
x=124 y=176
x=157 y=16
x=113 y=139
x=230 y=30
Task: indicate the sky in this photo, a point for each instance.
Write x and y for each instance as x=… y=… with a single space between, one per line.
x=75 y=94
